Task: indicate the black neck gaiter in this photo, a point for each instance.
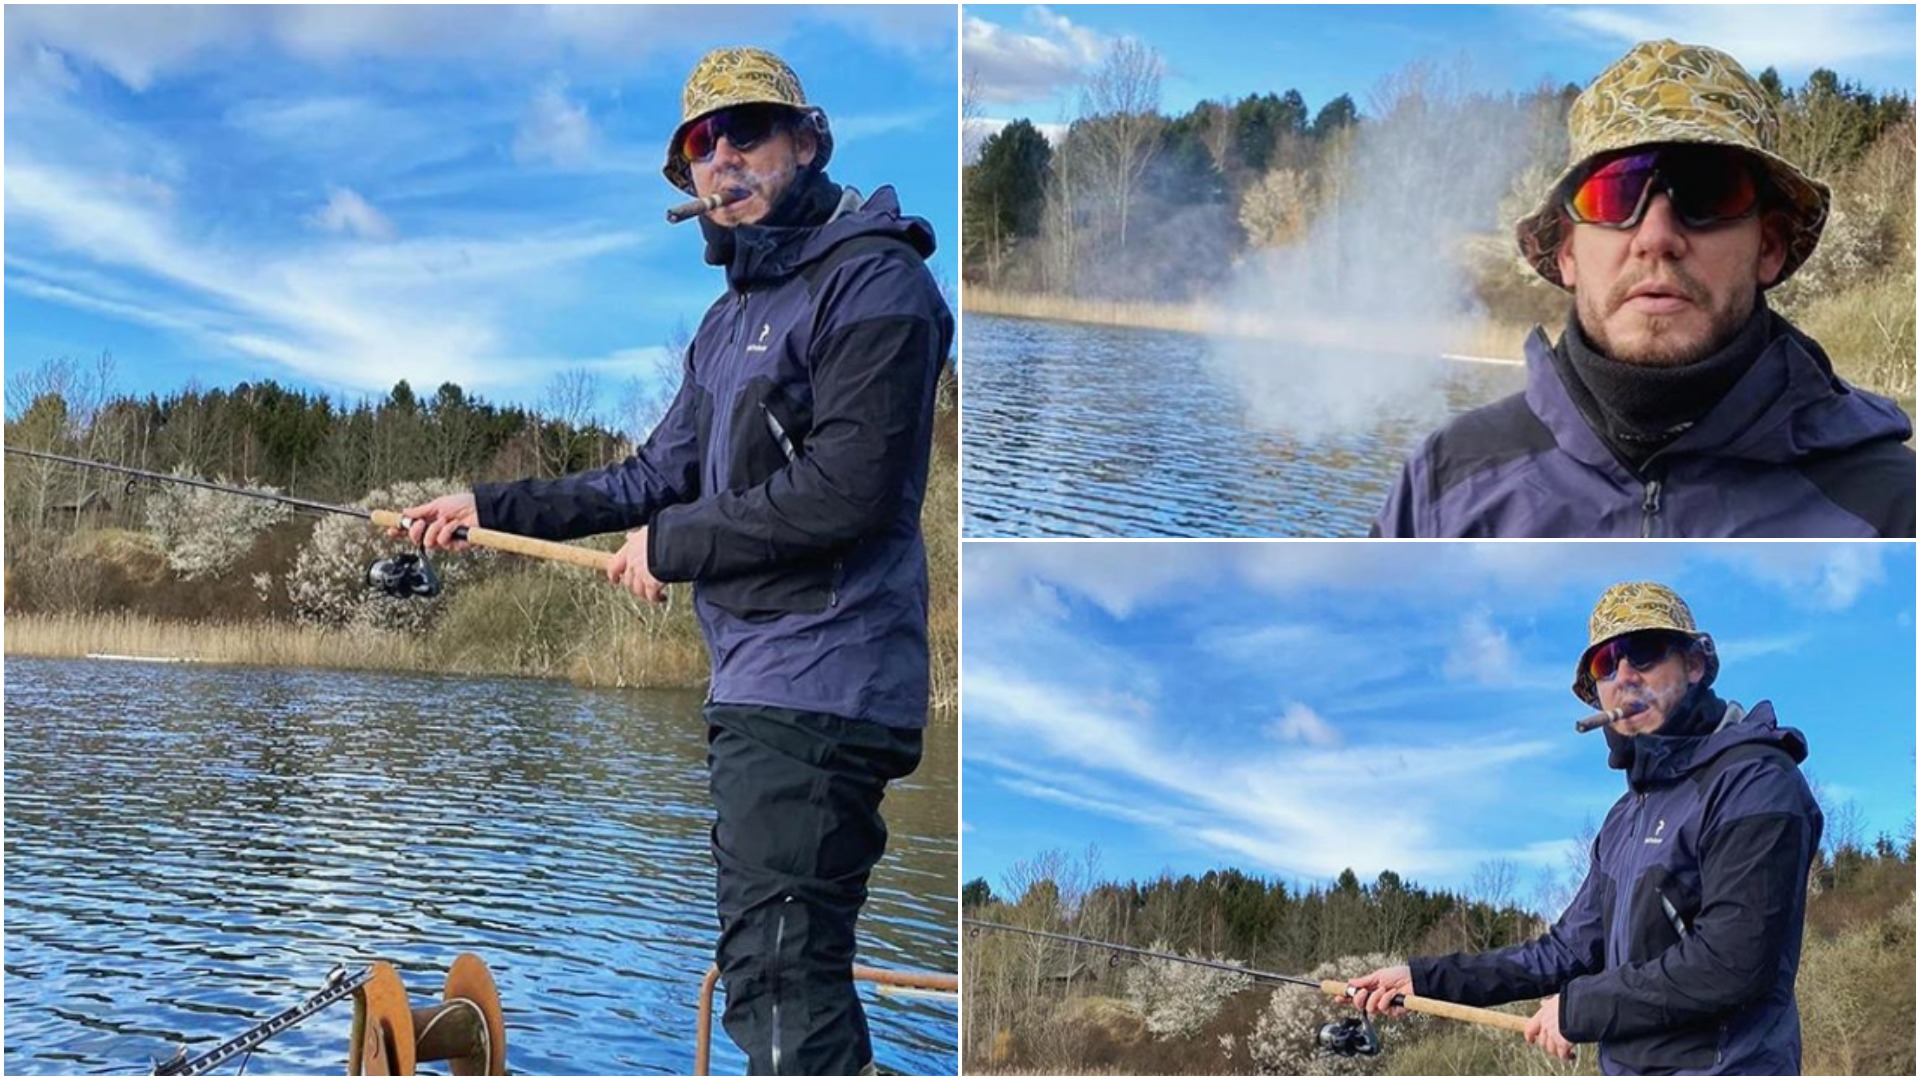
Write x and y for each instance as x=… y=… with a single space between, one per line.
x=1697 y=716
x=809 y=202
x=1636 y=408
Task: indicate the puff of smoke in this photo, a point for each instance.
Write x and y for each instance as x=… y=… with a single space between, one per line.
x=1341 y=331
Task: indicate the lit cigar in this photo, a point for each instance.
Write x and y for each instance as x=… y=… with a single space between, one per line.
x=1602 y=719
x=706 y=204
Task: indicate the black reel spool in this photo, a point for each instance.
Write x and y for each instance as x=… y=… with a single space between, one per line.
x=1352 y=1037
x=404 y=576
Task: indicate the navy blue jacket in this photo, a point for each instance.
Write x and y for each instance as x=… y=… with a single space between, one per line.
x=1680 y=951
x=1791 y=451
x=787 y=477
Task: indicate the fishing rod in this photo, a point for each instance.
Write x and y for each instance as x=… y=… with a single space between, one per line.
x=1347 y=1038
x=406 y=575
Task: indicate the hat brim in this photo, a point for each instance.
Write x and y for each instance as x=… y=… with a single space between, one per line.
x=1807 y=200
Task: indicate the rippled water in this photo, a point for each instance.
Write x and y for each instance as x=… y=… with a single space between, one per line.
x=1090 y=431
x=190 y=849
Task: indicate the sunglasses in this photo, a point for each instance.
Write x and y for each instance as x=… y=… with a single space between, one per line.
x=1709 y=185
x=744 y=126
x=1643 y=650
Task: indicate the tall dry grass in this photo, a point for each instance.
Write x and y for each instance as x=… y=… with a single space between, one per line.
x=255 y=643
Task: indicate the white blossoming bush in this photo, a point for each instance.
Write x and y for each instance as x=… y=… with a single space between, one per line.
x=328 y=582
x=1285 y=1040
x=204 y=533
x=1179 y=999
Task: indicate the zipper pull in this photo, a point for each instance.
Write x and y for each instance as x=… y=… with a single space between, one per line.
x=1650 y=506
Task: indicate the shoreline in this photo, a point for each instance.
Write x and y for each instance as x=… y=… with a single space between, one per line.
x=1472 y=341
x=660 y=662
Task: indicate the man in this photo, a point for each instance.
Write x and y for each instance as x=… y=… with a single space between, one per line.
x=1680 y=950
x=785 y=482
x=1675 y=403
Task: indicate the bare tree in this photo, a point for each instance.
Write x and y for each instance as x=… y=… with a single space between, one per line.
x=1120 y=114
x=567 y=403
x=645 y=397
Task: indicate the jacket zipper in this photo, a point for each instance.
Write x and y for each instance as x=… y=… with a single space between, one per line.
x=780 y=436
x=1650 y=506
x=779 y=942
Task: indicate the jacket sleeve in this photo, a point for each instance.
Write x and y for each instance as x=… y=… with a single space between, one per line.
x=1574 y=946
x=1753 y=868
x=873 y=378
x=1396 y=520
x=666 y=470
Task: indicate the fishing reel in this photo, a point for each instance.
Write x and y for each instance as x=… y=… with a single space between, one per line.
x=404 y=576
x=1352 y=1037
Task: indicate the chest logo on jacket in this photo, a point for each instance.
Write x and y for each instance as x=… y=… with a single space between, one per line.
x=760 y=343
x=1658 y=828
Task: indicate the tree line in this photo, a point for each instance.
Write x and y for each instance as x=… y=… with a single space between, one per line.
x=1125 y=202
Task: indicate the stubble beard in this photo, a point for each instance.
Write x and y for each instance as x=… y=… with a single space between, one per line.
x=770 y=184
x=1657 y=346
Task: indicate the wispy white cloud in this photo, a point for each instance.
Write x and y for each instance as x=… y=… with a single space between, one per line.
x=1301 y=724
x=1481 y=651
x=1824 y=577
x=349 y=214
x=554 y=130
x=1006 y=66
x=142 y=45
x=1795 y=37
x=1270 y=805
x=337 y=313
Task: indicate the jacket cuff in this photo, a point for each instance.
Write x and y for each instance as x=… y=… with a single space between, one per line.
x=1570 y=1027
x=660 y=553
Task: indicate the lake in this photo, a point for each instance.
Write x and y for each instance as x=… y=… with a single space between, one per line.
x=1074 y=430
x=189 y=849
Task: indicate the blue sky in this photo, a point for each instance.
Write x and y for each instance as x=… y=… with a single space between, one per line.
x=1293 y=709
x=1026 y=60
x=342 y=197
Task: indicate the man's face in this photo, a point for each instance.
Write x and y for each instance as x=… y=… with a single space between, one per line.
x=1662 y=293
x=1661 y=684
x=766 y=168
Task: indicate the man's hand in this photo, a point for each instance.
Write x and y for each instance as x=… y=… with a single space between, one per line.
x=628 y=568
x=1543 y=1030
x=1375 y=992
x=434 y=523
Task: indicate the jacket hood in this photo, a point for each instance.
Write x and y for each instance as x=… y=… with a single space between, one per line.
x=764 y=254
x=1787 y=407
x=1661 y=759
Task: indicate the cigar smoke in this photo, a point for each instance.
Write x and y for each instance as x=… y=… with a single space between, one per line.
x=1602 y=719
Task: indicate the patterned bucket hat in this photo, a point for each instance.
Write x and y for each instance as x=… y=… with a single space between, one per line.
x=741 y=76
x=1666 y=92
x=1632 y=606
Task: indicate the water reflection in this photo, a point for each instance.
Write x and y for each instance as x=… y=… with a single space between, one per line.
x=1094 y=431
x=189 y=850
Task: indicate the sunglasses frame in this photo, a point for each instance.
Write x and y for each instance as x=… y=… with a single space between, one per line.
x=1620 y=649
x=777 y=122
x=1658 y=177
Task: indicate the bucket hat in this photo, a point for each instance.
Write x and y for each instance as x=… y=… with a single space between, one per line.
x=740 y=76
x=1667 y=92
x=1632 y=606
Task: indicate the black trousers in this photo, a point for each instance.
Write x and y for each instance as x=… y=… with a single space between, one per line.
x=796 y=833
